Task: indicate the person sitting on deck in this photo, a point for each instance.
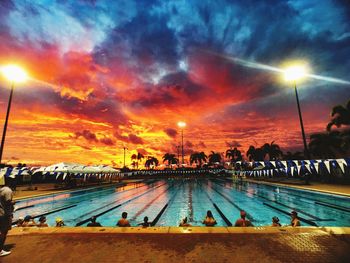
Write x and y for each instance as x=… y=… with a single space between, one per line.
x=184 y=222
x=242 y=222
x=209 y=219
x=295 y=220
x=93 y=222
x=275 y=221
x=42 y=222
x=28 y=222
x=145 y=222
x=59 y=222
x=123 y=222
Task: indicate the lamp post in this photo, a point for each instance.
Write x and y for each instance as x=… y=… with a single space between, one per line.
x=182 y=125
x=15 y=75
x=293 y=74
x=124 y=155
x=178 y=154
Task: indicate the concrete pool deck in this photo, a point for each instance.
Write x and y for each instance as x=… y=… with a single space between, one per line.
x=176 y=244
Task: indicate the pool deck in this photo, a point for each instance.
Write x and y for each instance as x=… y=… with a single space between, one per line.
x=175 y=244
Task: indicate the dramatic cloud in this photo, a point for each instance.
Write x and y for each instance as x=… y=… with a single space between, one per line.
x=171 y=132
x=122 y=73
x=131 y=138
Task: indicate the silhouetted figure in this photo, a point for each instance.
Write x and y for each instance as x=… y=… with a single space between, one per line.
x=59 y=222
x=93 y=222
x=145 y=222
x=184 y=222
x=29 y=221
x=6 y=214
x=123 y=222
x=209 y=219
x=275 y=221
x=294 y=219
x=42 y=222
x=242 y=222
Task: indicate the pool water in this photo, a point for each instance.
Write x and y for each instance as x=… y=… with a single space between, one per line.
x=166 y=202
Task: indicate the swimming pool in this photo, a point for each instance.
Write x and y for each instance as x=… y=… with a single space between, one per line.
x=166 y=202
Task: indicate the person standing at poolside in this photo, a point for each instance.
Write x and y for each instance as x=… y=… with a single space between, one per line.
x=242 y=222
x=294 y=219
x=6 y=214
x=123 y=222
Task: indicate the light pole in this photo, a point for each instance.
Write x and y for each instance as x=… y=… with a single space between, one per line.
x=293 y=74
x=182 y=125
x=124 y=155
x=15 y=75
x=178 y=154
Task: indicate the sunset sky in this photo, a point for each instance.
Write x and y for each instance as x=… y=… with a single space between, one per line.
x=108 y=74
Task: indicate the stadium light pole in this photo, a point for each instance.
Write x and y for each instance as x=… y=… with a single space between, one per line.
x=14 y=74
x=182 y=125
x=292 y=74
x=124 y=155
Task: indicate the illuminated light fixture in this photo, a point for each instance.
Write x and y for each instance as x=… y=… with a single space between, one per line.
x=14 y=73
x=181 y=124
x=294 y=73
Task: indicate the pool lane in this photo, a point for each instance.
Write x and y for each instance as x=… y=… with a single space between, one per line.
x=134 y=206
x=304 y=203
x=179 y=198
x=177 y=206
x=87 y=202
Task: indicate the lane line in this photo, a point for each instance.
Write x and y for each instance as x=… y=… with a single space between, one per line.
x=114 y=207
x=281 y=204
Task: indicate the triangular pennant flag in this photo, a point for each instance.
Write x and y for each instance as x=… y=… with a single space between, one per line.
x=306 y=162
x=273 y=163
x=64 y=175
x=292 y=170
x=299 y=169
x=307 y=167
x=317 y=167
x=284 y=163
x=328 y=166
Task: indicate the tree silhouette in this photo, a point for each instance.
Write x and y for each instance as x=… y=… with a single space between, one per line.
x=340 y=116
x=151 y=161
x=255 y=154
x=198 y=158
x=234 y=154
x=170 y=158
x=271 y=151
x=214 y=157
x=137 y=157
x=326 y=145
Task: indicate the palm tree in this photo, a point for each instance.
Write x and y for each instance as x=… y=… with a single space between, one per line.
x=340 y=116
x=170 y=158
x=251 y=153
x=255 y=154
x=234 y=155
x=151 y=161
x=198 y=158
x=133 y=158
x=137 y=157
x=214 y=157
x=326 y=145
x=272 y=151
